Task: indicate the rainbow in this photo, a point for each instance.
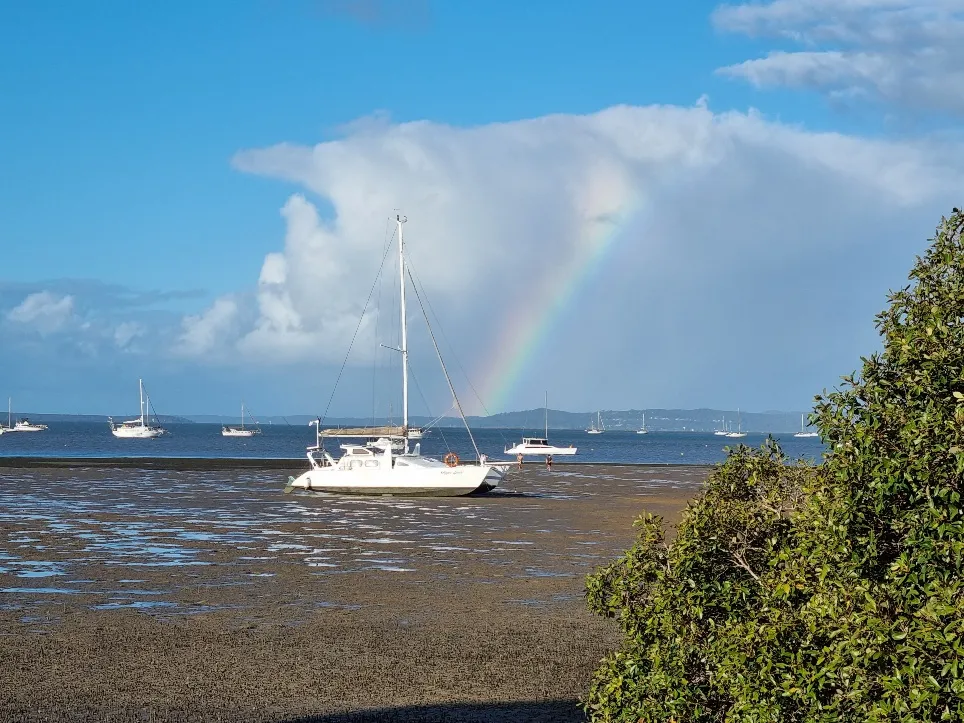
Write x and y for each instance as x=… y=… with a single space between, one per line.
x=548 y=300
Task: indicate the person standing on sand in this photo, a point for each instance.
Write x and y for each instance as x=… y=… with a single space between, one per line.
x=549 y=462
x=520 y=460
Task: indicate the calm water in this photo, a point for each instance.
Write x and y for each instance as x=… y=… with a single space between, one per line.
x=86 y=439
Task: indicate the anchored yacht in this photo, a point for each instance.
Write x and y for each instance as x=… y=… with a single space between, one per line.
x=540 y=445
x=139 y=428
x=227 y=431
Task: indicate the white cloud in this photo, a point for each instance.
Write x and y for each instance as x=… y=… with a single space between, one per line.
x=206 y=334
x=907 y=53
x=126 y=332
x=44 y=311
x=709 y=206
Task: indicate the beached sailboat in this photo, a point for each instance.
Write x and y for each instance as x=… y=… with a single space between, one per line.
x=595 y=427
x=642 y=429
x=139 y=428
x=540 y=445
x=739 y=427
x=376 y=468
x=803 y=429
x=227 y=431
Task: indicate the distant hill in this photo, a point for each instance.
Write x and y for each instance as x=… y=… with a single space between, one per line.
x=667 y=420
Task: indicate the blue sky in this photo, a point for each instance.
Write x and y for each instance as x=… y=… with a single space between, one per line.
x=140 y=185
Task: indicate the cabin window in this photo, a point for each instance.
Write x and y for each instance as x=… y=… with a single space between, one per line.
x=371 y=462
x=355 y=463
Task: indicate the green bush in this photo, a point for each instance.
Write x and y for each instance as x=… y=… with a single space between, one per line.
x=829 y=593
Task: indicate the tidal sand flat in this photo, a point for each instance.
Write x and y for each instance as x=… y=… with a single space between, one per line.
x=132 y=594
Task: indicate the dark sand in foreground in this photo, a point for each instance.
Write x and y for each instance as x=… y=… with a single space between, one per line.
x=154 y=595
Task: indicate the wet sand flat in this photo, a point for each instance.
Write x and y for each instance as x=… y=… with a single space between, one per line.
x=133 y=594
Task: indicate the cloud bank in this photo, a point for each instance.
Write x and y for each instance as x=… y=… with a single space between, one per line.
x=907 y=54
x=735 y=235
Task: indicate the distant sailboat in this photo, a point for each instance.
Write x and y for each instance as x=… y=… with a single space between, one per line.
x=643 y=430
x=139 y=428
x=595 y=427
x=803 y=429
x=227 y=431
x=540 y=445
x=23 y=424
x=724 y=431
x=739 y=427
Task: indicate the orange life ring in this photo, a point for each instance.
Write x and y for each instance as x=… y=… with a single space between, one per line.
x=451 y=459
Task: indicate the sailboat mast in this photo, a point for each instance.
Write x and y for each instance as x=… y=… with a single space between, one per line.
x=401 y=270
x=140 y=389
x=547 y=414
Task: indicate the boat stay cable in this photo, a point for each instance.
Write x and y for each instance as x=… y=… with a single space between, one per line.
x=445 y=371
x=468 y=379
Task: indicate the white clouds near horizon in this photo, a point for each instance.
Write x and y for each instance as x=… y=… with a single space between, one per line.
x=44 y=312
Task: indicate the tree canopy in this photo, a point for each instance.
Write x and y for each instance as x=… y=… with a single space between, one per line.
x=794 y=592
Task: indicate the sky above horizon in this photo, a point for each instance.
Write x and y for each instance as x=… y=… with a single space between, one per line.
x=623 y=205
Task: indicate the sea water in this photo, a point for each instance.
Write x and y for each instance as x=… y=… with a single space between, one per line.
x=91 y=439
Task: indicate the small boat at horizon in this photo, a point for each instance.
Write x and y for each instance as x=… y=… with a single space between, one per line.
x=540 y=445
x=596 y=427
x=739 y=428
x=139 y=428
x=803 y=429
x=228 y=431
x=22 y=425
x=643 y=430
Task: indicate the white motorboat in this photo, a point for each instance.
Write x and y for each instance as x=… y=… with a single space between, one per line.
x=803 y=429
x=376 y=468
x=139 y=428
x=540 y=445
x=596 y=427
x=25 y=425
x=643 y=430
x=228 y=431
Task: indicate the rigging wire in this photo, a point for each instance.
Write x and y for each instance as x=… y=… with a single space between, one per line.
x=447 y=377
x=353 y=336
x=449 y=344
x=418 y=387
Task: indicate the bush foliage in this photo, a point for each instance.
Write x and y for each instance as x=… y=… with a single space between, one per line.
x=816 y=593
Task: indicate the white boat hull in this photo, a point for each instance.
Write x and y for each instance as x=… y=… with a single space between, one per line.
x=420 y=481
x=807 y=434
x=540 y=450
x=28 y=428
x=239 y=432
x=137 y=432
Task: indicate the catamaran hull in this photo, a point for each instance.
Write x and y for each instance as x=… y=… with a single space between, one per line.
x=31 y=428
x=448 y=482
